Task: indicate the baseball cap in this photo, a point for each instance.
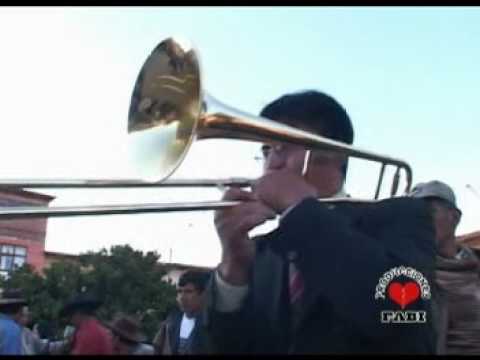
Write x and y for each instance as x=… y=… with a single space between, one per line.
x=435 y=189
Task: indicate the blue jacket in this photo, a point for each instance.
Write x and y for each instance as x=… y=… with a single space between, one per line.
x=10 y=336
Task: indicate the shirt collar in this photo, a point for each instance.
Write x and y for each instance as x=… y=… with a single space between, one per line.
x=341 y=193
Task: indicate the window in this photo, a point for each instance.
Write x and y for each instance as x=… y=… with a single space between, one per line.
x=11 y=257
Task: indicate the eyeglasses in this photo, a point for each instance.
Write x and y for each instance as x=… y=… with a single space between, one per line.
x=284 y=149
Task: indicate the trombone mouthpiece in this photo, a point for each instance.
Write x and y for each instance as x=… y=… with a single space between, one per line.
x=306 y=160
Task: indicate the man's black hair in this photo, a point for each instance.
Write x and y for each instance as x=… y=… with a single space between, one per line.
x=198 y=279
x=314 y=109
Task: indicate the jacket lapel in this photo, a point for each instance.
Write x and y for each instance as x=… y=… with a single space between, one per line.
x=174 y=332
x=270 y=285
x=312 y=293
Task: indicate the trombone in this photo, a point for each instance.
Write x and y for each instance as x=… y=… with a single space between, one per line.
x=168 y=112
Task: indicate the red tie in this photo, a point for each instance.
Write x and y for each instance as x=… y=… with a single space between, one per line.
x=296 y=284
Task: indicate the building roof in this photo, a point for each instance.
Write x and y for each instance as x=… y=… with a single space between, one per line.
x=60 y=255
x=466 y=238
x=186 y=266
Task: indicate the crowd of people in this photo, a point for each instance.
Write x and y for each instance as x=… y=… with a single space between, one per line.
x=180 y=333
x=309 y=286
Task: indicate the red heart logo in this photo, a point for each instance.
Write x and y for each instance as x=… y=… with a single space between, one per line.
x=404 y=294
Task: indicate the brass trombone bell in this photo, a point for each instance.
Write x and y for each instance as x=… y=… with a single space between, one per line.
x=168 y=112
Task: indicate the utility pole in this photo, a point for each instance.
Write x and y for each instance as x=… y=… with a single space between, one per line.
x=472 y=189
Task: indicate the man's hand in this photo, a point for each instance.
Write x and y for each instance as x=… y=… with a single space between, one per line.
x=233 y=225
x=281 y=189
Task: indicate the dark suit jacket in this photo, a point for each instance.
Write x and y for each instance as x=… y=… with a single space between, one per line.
x=342 y=252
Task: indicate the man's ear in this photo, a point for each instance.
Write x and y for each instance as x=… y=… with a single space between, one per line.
x=456 y=218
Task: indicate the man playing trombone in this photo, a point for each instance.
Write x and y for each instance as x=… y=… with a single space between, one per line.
x=309 y=285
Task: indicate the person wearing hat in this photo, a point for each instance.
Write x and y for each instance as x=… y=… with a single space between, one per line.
x=457 y=285
x=11 y=308
x=127 y=337
x=90 y=337
x=446 y=214
x=15 y=337
x=33 y=344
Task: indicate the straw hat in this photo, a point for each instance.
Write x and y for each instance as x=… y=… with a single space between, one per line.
x=127 y=327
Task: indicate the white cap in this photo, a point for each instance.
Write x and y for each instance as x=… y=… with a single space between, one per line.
x=435 y=189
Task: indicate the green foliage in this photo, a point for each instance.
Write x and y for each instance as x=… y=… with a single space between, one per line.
x=125 y=279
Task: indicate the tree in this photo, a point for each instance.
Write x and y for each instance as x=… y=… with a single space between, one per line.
x=129 y=281
x=126 y=280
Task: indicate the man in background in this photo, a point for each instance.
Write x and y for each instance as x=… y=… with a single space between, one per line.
x=457 y=274
x=11 y=309
x=183 y=332
x=91 y=337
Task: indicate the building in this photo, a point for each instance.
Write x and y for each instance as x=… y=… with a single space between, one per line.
x=52 y=257
x=175 y=270
x=22 y=240
x=471 y=239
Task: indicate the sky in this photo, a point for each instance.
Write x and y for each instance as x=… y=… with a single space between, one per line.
x=408 y=77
